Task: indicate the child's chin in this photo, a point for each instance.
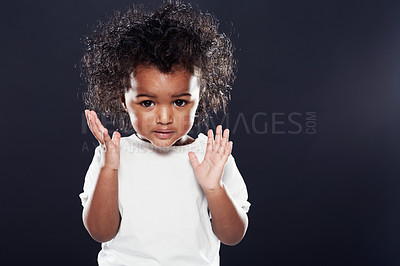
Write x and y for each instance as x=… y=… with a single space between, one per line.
x=163 y=143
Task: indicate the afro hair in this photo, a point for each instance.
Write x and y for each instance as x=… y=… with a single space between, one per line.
x=174 y=35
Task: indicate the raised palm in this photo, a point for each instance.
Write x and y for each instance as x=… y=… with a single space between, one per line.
x=209 y=171
x=101 y=134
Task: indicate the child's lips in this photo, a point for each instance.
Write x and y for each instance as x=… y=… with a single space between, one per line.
x=164 y=131
x=163 y=134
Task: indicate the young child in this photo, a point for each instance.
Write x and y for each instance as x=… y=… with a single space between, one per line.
x=160 y=197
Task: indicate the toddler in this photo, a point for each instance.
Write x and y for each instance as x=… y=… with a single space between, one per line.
x=159 y=196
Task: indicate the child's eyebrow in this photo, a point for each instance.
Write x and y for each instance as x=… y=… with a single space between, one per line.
x=174 y=96
x=182 y=94
x=144 y=95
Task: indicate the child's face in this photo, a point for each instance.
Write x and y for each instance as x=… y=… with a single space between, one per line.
x=162 y=106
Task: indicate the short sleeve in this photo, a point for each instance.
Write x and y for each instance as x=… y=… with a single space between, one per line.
x=235 y=184
x=92 y=174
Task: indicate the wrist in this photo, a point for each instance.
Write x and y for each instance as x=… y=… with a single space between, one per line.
x=110 y=168
x=111 y=161
x=218 y=189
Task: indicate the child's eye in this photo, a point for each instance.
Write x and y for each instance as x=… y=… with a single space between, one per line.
x=147 y=103
x=180 y=103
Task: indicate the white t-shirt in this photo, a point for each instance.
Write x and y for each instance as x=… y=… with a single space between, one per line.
x=165 y=218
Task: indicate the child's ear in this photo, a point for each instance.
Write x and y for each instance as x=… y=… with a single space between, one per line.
x=122 y=97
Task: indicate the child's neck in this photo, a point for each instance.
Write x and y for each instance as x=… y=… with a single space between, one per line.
x=185 y=140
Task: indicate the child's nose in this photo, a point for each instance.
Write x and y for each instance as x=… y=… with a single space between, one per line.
x=164 y=115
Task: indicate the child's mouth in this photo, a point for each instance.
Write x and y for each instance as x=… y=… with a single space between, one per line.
x=163 y=134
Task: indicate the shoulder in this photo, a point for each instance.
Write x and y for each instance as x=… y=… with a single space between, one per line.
x=127 y=139
x=132 y=142
x=199 y=144
x=201 y=138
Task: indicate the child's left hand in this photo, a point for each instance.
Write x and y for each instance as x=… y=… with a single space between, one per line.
x=209 y=171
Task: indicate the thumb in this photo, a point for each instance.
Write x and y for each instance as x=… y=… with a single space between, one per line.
x=116 y=137
x=193 y=159
x=106 y=138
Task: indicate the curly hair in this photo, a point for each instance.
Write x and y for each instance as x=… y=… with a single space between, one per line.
x=174 y=35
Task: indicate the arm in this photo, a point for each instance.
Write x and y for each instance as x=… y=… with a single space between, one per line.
x=101 y=215
x=229 y=221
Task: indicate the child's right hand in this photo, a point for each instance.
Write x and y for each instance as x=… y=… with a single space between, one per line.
x=101 y=134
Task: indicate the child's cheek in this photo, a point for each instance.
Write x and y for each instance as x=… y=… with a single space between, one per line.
x=145 y=121
x=188 y=119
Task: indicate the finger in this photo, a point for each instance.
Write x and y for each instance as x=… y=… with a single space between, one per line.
x=87 y=116
x=224 y=142
x=116 y=137
x=218 y=137
x=98 y=125
x=210 y=141
x=95 y=129
x=106 y=139
x=227 y=151
x=92 y=126
x=229 y=148
x=97 y=121
x=225 y=139
x=193 y=159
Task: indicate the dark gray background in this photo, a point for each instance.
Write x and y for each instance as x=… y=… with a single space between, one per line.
x=329 y=198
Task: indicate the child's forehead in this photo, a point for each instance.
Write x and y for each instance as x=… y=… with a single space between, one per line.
x=142 y=69
x=145 y=76
x=149 y=80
